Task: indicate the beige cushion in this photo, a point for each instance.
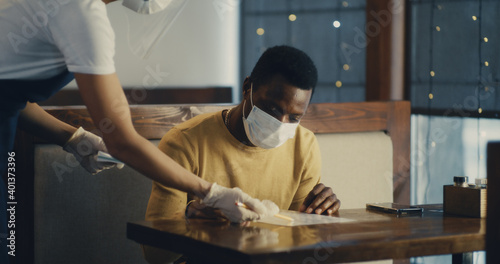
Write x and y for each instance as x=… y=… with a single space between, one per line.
x=358 y=166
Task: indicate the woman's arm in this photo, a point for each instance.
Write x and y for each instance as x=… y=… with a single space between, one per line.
x=109 y=109
x=34 y=120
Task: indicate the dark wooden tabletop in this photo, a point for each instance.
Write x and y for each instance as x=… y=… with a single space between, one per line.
x=372 y=236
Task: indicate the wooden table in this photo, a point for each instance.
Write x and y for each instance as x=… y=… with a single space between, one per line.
x=373 y=236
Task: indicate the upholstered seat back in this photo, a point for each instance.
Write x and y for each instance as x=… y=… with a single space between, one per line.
x=86 y=214
x=358 y=166
x=82 y=218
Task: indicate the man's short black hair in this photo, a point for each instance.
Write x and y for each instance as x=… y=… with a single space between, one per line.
x=291 y=63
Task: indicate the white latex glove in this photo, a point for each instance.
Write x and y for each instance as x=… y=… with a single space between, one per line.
x=85 y=146
x=225 y=199
x=271 y=208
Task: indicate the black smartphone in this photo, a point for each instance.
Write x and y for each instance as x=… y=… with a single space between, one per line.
x=394 y=208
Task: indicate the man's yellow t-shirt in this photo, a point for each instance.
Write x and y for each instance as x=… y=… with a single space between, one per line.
x=204 y=146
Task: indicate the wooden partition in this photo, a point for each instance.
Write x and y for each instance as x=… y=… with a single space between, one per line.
x=158 y=95
x=385 y=49
x=153 y=121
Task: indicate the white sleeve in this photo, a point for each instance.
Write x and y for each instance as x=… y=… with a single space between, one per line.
x=83 y=34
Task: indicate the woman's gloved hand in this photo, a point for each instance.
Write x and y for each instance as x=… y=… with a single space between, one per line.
x=85 y=146
x=225 y=199
x=271 y=208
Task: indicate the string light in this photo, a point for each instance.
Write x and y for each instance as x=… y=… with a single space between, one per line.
x=260 y=31
x=480 y=73
x=479 y=87
x=338 y=35
x=431 y=59
x=433 y=30
x=427 y=138
x=292 y=17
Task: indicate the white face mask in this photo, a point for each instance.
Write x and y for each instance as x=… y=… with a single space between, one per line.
x=144 y=32
x=146 y=6
x=265 y=131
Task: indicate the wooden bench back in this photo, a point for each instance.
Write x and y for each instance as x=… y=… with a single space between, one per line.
x=153 y=121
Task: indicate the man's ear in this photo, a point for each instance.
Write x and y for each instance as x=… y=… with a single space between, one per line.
x=246 y=86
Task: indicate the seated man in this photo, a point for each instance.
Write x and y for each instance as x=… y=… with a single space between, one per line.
x=257 y=146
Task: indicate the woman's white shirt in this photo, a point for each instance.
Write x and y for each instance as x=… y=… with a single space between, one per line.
x=41 y=38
